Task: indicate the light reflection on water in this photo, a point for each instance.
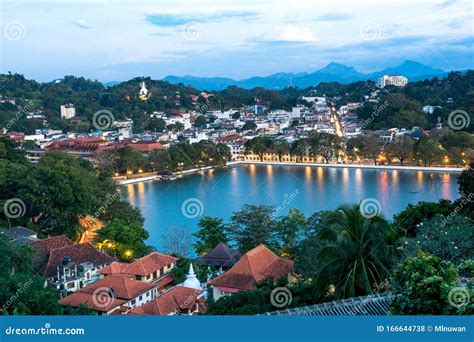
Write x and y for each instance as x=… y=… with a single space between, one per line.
x=225 y=191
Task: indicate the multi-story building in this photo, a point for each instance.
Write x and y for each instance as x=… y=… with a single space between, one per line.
x=395 y=80
x=68 y=111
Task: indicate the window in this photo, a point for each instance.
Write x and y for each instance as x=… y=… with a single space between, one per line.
x=140 y=298
x=133 y=302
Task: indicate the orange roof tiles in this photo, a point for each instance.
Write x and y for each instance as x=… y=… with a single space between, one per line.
x=256 y=265
x=178 y=298
x=141 y=267
x=97 y=297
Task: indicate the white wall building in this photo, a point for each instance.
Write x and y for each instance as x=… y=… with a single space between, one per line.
x=68 y=111
x=395 y=80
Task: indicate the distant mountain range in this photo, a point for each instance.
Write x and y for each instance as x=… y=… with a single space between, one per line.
x=333 y=72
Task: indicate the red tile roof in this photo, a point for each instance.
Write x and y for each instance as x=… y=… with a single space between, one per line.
x=78 y=253
x=256 y=265
x=177 y=298
x=107 y=293
x=141 y=267
x=147 y=146
x=53 y=242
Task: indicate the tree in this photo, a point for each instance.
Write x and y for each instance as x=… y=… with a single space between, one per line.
x=211 y=232
x=22 y=291
x=129 y=160
x=449 y=238
x=200 y=121
x=126 y=240
x=236 y=116
x=370 y=146
x=281 y=148
x=299 y=148
x=289 y=229
x=407 y=221
x=177 y=241
x=325 y=144
x=258 y=146
x=249 y=126
x=356 y=253
x=253 y=225
x=466 y=182
x=421 y=286
x=401 y=149
x=428 y=150
x=155 y=125
x=259 y=301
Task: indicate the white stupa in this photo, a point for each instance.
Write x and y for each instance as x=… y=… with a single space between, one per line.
x=191 y=280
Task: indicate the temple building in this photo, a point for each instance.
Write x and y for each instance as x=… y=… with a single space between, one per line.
x=255 y=266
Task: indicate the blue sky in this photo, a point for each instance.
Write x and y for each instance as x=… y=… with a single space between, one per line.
x=117 y=40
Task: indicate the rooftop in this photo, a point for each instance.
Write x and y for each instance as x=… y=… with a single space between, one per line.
x=371 y=305
x=256 y=265
x=220 y=256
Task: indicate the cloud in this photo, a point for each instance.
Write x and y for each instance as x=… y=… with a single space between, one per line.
x=82 y=24
x=291 y=34
x=333 y=17
x=446 y=3
x=172 y=20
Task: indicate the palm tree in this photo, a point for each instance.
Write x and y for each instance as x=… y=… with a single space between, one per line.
x=356 y=254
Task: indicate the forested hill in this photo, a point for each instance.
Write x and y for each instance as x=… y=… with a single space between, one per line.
x=453 y=92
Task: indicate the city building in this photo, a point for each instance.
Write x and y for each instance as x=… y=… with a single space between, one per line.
x=256 y=265
x=395 y=80
x=113 y=294
x=67 y=266
x=221 y=257
x=153 y=268
x=68 y=111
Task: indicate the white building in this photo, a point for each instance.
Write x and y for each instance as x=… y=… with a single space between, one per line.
x=395 y=80
x=68 y=111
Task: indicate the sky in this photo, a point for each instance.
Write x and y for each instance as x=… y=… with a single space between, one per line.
x=113 y=40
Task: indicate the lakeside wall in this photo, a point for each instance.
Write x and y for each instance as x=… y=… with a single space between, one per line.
x=351 y=166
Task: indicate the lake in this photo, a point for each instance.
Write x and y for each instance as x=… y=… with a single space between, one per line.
x=181 y=203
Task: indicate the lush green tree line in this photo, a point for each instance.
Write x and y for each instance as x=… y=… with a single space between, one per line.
x=343 y=253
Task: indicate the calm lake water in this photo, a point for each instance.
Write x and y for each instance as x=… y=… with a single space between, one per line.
x=218 y=193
